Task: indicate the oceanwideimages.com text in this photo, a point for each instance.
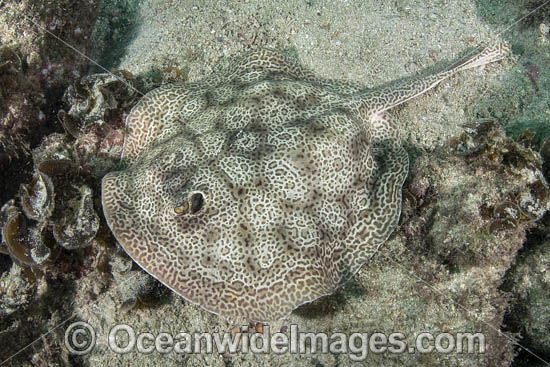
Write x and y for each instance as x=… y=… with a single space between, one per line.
x=80 y=338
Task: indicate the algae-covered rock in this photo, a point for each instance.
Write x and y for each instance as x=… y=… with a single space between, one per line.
x=454 y=240
x=529 y=283
x=78 y=227
x=35 y=68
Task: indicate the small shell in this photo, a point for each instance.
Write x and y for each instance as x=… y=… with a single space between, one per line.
x=11 y=237
x=68 y=123
x=37 y=199
x=25 y=242
x=8 y=211
x=79 y=228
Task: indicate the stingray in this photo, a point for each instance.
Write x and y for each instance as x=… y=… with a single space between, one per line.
x=262 y=187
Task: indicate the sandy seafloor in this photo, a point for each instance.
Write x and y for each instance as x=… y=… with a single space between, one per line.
x=371 y=42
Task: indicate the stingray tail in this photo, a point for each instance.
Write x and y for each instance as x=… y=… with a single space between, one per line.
x=382 y=99
x=486 y=56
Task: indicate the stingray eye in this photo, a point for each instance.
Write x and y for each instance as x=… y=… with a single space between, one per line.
x=197 y=202
x=182 y=209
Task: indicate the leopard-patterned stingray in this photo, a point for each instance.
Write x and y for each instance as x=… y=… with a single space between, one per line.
x=261 y=187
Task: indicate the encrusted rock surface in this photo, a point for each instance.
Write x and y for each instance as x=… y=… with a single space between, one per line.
x=35 y=68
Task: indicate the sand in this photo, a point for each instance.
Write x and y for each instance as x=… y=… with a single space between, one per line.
x=370 y=42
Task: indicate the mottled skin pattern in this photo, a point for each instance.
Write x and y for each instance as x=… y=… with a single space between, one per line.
x=261 y=187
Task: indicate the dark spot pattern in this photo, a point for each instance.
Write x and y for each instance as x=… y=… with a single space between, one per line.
x=262 y=186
